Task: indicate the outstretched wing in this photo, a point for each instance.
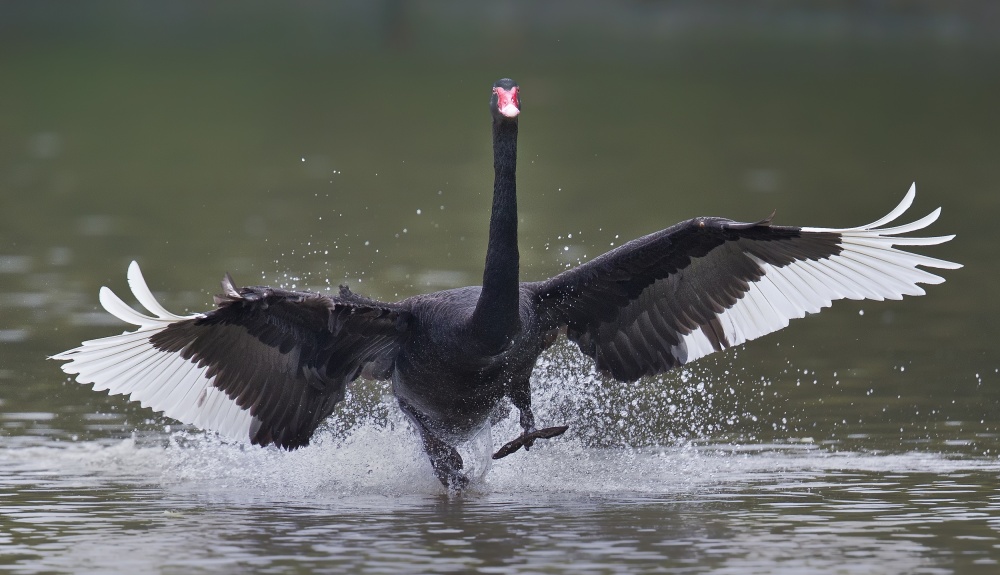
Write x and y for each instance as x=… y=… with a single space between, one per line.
x=267 y=365
x=709 y=283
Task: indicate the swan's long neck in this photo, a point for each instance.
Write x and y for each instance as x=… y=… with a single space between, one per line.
x=497 y=318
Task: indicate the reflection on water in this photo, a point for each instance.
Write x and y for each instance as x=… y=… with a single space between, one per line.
x=368 y=503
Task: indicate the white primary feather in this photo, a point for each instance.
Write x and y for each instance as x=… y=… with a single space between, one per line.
x=869 y=266
x=128 y=364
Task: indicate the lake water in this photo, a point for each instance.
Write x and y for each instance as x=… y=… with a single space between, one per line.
x=350 y=144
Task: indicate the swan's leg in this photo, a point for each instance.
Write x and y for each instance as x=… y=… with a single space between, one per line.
x=445 y=459
x=520 y=396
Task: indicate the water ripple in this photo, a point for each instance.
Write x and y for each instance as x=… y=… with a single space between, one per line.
x=369 y=502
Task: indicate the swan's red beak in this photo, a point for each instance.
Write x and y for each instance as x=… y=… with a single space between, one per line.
x=508 y=102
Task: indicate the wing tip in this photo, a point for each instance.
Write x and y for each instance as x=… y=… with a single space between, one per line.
x=121 y=310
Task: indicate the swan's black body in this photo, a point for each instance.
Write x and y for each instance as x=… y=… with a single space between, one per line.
x=270 y=365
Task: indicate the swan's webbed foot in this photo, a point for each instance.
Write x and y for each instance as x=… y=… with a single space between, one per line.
x=520 y=396
x=527 y=439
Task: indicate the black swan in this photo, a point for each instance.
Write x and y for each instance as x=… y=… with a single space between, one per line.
x=269 y=365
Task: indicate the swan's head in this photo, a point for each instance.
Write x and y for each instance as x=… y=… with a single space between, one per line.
x=506 y=100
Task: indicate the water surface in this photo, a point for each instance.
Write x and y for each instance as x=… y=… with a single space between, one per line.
x=350 y=143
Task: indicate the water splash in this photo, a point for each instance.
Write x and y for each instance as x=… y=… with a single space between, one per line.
x=686 y=404
x=689 y=430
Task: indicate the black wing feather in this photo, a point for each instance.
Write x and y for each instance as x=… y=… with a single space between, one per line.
x=288 y=356
x=630 y=308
